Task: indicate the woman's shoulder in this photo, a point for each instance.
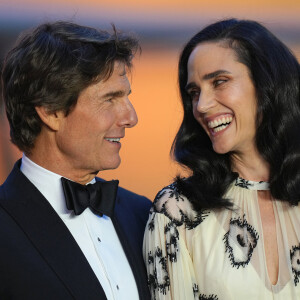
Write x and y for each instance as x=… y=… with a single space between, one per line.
x=171 y=202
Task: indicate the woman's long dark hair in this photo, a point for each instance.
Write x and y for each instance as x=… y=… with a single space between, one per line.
x=275 y=74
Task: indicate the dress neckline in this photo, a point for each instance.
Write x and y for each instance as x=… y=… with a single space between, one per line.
x=252 y=185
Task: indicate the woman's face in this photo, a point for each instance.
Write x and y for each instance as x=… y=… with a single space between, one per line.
x=223 y=97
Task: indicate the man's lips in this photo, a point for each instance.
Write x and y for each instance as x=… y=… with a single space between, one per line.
x=114 y=140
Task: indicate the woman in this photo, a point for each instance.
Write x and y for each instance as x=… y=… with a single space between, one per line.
x=232 y=229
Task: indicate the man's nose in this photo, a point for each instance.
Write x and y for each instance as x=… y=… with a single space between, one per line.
x=129 y=117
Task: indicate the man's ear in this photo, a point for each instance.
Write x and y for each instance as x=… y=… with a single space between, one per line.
x=51 y=119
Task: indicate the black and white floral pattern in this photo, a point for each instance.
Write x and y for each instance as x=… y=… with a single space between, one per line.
x=196 y=291
x=198 y=296
x=240 y=242
x=190 y=218
x=295 y=261
x=209 y=297
x=252 y=185
x=172 y=238
x=158 y=280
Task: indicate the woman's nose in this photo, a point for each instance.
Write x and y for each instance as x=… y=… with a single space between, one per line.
x=206 y=101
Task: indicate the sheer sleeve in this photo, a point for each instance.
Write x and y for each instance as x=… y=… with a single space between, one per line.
x=166 y=253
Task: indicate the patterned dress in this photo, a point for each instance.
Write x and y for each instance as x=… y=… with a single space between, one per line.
x=219 y=254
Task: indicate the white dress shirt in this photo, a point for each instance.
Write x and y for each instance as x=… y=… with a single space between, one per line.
x=96 y=236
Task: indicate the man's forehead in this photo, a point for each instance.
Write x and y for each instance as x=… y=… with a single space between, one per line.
x=120 y=68
x=117 y=83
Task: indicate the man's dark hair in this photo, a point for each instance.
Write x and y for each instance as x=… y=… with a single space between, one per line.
x=50 y=66
x=275 y=74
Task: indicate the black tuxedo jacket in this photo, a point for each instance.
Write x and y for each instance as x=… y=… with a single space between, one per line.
x=39 y=258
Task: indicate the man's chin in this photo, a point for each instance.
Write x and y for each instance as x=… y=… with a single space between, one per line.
x=111 y=165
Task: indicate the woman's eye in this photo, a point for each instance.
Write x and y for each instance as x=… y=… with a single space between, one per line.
x=194 y=95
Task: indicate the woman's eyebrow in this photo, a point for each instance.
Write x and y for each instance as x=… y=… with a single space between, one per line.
x=206 y=77
x=214 y=74
x=190 y=85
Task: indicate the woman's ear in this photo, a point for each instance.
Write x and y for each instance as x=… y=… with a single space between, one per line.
x=50 y=119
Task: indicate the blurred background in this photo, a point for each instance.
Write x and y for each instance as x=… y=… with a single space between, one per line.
x=163 y=26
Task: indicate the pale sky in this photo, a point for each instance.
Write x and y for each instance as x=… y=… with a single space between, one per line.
x=155 y=11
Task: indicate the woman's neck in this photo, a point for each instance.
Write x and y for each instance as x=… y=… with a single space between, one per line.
x=250 y=166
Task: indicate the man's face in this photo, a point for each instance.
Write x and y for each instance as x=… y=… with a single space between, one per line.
x=88 y=139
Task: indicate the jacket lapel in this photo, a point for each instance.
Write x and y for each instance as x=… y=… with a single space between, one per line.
x=50 y=236
x=132 y=252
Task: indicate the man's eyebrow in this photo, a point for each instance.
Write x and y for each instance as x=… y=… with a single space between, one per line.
x=214 y=74
x=116 y=94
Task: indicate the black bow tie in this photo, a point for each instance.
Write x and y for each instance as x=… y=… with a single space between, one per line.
x=100 y=196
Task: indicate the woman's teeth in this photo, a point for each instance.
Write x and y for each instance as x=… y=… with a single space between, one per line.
x=220 y=124
x=217 y=129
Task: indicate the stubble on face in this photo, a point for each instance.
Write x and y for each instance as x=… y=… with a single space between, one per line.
x=88 y=138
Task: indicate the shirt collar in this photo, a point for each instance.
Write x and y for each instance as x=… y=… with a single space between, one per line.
x=48 y=183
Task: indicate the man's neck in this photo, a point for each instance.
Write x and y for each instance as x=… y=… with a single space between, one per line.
x=60 y=166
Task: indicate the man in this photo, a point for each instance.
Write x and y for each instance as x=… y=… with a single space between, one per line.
x=66 y=95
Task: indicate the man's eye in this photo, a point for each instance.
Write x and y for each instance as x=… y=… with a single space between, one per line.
x=217 y=82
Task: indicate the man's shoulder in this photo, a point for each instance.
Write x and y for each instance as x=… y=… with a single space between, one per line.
x=9 y=184
x=15 y=183
x=124 y=193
